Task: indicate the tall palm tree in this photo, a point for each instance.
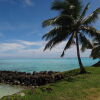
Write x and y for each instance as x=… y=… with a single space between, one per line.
x=96 y=47
x=96 y=51
x=95 y=54
x=72 y=25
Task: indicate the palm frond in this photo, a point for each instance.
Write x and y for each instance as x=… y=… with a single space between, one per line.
x=68 y=45
x=69 y=7
x=95 y=52
x=97 y=38
x=49 y=22
x=60 y=20
x=54 y=41
x=76 y=7
x=96 y=48
x=84 y=11
x=59 y=5
x=57 y=31
x=90 y=30
x=86 y=44
x=92 y=17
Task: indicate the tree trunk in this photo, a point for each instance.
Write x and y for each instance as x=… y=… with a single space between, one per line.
x=82 y=69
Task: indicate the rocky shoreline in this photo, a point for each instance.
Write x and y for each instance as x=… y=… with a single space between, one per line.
x=28 y=79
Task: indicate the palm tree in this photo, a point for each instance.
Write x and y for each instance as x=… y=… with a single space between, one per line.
x=72 y=25
x=95 y=54
x=96 y=47
x=96 y=51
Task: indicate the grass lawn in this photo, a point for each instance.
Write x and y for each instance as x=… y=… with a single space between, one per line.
x=76 y=87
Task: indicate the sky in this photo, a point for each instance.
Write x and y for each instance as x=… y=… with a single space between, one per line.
x=21 y=29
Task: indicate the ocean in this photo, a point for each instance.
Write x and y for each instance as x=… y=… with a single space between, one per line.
x=8 y=90
x=30 y=65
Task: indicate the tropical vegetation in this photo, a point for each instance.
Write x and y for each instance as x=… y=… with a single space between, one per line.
x=96 y=48
x=95 y=54
x=72 y=25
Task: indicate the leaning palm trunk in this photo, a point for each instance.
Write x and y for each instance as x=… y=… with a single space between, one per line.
x=82 y=69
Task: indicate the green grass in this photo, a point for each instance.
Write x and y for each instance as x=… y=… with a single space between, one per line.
x=76 y=87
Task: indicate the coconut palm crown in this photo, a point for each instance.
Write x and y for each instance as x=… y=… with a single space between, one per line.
x=71 y=24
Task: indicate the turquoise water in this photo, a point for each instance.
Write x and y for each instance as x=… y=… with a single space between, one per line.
x=30 y=65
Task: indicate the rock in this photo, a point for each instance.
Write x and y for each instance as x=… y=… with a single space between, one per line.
x=28 y=79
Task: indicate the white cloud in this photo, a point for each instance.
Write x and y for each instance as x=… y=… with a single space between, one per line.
x=39 y=43
x=26 y=49
x=23 y=2
x=5 y=47
x=28 y=2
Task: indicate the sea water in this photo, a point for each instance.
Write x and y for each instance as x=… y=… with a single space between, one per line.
x=30 y=65
x=8 y=90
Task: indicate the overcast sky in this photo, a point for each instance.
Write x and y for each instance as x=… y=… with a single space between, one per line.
x=21 y=29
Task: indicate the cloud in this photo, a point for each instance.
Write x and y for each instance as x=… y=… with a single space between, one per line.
x=27 y=49
x=22 y=2
x=28 y=2
x=5 y=47
x=39 y=43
